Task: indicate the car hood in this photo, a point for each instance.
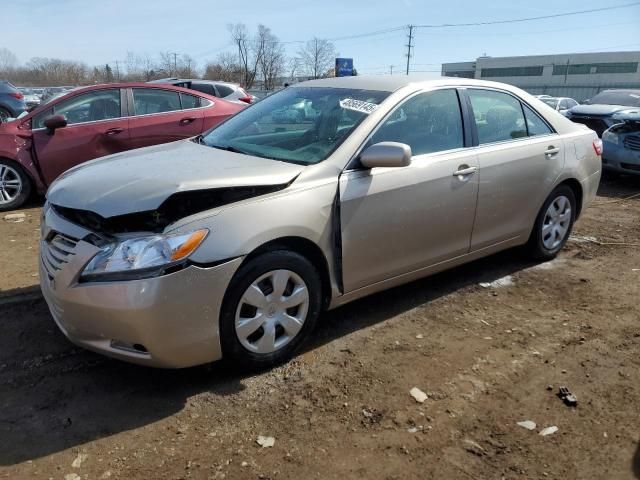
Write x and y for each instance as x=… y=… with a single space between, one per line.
x=600 y=110
x=141 y=180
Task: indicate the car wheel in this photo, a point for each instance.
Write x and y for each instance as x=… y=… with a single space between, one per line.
x=15 y=185
x=553 y=224
x=271 y=307
x=4 y=115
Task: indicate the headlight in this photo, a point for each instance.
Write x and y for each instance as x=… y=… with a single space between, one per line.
x=142 y=255
x=611 y=137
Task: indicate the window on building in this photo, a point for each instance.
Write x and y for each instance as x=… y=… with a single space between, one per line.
x=460 y=73
x=534 y=71
x=587 y=68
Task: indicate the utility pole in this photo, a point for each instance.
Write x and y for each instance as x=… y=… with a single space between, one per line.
x=175 y=63
x=118 y=70
x=409 y=46
x=391 y=69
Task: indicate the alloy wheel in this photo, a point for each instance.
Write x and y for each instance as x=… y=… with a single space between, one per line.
x=10 y=184
x=557 y=221
x=272 y=311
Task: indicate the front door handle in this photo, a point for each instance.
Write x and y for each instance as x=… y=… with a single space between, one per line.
x=187 y=120
x=465 y=170
x=114 y=131
x=551 y=151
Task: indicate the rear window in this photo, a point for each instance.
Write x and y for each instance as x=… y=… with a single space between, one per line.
x=552 y=102
x=224 y=91
x=6 y=86
x=630 y=99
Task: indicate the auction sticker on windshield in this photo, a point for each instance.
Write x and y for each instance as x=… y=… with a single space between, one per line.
x=358 y=105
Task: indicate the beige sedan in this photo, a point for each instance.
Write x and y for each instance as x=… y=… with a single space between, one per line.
x=231 y=244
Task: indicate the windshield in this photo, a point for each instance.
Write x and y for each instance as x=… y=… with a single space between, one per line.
x=552 y=102
x=630 y=99
x=297 y=125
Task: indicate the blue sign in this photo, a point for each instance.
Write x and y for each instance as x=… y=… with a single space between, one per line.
x=344 y=67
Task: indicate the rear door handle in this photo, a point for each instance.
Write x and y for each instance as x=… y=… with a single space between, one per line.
x=551 y=151
x=187 y=120
x=114 y=131
x=464 y=170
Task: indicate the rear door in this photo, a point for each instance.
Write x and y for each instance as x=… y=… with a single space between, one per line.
x=160 y=116
x=96 y=126
x=520 y=158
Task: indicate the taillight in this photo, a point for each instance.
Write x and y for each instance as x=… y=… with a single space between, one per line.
x=17 y=95
x=245 y=99
x=597 y=146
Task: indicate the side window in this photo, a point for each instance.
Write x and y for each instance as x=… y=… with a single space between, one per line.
x=189 y=101
x=498 y=116
x=535 y=124
x=87 y=107
x=429 y=122
x=571 y=103
x=155 y=100
x=563 y=105
x=224 y=91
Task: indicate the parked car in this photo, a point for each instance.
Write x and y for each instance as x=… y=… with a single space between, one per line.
x=560 y=104
x=598 y=112
x=229 y=91
x=621 y=143
x=31 y=99
x=50 y=92
x=94 y=121
x=231 y=244
x=12 y=102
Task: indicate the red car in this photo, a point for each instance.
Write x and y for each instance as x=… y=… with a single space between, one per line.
x=95 y=121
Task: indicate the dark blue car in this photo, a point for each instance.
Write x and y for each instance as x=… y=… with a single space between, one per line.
x=11 y=101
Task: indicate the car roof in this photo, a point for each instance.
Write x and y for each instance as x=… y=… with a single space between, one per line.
x=192 y=80
x=391 y=83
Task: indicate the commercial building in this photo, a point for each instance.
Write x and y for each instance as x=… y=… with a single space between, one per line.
x=576 y=75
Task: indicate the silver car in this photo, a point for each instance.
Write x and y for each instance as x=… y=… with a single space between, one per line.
x=231 y=244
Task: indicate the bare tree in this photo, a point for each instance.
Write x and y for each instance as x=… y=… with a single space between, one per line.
x=225 y=68
x=250 y=50
x=317 y=56
x=8 y=61
x=272 y=59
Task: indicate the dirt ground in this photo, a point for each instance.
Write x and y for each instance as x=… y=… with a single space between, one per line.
x=485 y=356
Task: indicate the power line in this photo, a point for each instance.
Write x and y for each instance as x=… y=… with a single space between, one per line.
x=528 y=19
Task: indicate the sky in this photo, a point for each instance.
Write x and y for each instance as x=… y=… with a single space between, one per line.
x=99 y=31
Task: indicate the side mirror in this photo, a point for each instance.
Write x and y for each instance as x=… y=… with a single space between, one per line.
x=54 y=122
x=386 y=154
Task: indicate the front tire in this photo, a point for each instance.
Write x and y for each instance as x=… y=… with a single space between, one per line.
x=4 y=115
x=15 y=185
x=270 y=308
x=553 y=224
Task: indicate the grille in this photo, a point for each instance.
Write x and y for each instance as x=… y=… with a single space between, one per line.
x=594 y=124
x=632 y=142
x=57 y=252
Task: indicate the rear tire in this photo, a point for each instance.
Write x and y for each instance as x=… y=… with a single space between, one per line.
x=4 y=115
x=553 y=224
x=15 y=185
x=271 y=306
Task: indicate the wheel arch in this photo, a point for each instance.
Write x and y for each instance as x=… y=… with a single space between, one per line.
x=308 y=249
x=576 y=187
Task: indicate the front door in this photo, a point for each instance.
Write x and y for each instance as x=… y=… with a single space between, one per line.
x=397 y=220
x=95 y=127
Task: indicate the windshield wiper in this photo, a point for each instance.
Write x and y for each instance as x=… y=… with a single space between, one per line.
x=229 y=148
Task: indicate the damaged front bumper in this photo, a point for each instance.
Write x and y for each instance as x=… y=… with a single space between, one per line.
x=620 y=158
x=169 y=321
